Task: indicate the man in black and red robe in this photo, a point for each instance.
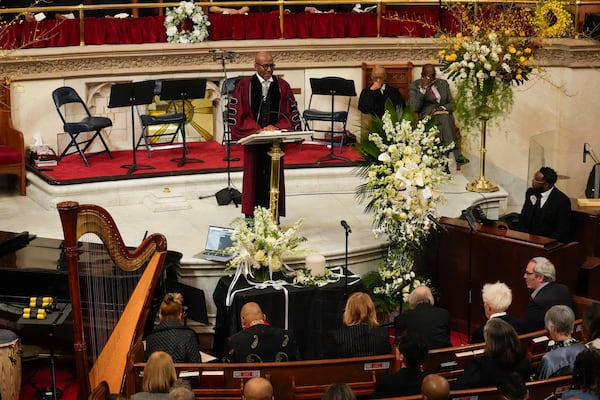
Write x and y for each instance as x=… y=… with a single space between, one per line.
x=261 y=102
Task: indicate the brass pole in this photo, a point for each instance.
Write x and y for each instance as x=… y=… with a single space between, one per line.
x=276 y=154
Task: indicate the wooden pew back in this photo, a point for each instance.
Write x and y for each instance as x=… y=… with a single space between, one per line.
x=281 y=374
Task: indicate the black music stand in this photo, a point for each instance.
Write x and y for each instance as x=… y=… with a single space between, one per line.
x=184 y=89
x=132 y=94
x=334 y=86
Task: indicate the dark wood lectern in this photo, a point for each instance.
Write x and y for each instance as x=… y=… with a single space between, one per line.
x=461 y=261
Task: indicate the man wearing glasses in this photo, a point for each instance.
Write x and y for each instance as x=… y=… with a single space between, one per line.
x=546 y=210
x=540 y=276
x=261 y=102
x=372 y=99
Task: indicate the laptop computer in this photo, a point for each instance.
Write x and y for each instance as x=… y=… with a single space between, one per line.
x=218 y=239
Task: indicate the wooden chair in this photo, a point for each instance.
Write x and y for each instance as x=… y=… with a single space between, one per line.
x=12 y=146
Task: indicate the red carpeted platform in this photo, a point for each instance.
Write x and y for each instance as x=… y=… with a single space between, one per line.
x=72 y=170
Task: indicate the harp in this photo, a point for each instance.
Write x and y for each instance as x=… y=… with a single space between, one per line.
x=111 y=289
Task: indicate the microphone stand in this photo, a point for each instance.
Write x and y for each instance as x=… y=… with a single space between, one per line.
x=346 y=265
x=229 y=193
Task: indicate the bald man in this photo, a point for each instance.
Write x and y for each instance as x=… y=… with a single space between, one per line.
x=435 y=387
x=372 y=99
x=259 y=341
x=261 y=102
x=258 y=389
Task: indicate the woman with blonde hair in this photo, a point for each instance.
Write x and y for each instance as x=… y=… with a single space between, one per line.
x=171 y=336
x=361 y=334
x=159 y=377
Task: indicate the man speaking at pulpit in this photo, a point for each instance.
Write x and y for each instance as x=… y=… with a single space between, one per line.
x=261 y=102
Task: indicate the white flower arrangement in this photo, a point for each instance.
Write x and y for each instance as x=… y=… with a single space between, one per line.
x=407 y=164
x=176 y=18
x=304 y=277
x=402 y=185
x=260 y=245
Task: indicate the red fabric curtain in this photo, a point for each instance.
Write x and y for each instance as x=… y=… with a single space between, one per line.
x=420 y=21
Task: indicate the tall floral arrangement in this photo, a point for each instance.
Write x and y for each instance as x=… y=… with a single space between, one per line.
x=406 y=164
x=490 y=55
x=260 y=245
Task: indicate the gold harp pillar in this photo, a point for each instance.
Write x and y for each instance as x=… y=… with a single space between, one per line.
x=482 y=185
x=276 y=154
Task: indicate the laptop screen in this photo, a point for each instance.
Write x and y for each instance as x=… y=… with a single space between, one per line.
x=219 y=238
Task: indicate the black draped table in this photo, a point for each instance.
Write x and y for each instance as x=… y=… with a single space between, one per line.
x=311 y=311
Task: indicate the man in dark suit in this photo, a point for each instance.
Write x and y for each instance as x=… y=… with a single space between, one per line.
x=546 y=210
x=496 y=297
x=431 y=96
x=259 y=341
x=540 y=276
x=431 y=323
x=372 y=99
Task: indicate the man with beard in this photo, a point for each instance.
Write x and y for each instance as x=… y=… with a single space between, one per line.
x=546 y=210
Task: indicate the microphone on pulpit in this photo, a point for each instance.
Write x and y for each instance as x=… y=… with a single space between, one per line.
x=347 y=230
x=436 y=222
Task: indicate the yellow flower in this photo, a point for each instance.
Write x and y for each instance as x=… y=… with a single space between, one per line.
x=442 y=53
x=523 y=60
x=519 y=77
x=443 y=37
x=512 y=50
x=507 y=32
x=527 y=50
x=476 y=28
x=451 y=57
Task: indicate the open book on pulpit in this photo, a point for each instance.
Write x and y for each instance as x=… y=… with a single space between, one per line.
x=276 y=136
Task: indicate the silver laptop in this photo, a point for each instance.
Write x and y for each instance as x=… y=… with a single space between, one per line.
x=218 y=239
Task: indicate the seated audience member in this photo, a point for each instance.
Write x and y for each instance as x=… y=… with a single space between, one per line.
x=361 y=335
x=372 y=99
x=259 y=341
x=171 y=336
x=586 y=377
x=540 y=276
x=561 y=357
x=258 y=389
x=423 y=318
x=513 y=387
x=435 y=387
x=338 y=391
x=159 y=377
x=546 y=210
x=591 y=326
x=496 y=300
x=430 y=95
x=229 y=10
x=407 y=380
x=181 y=392
x=502 y=355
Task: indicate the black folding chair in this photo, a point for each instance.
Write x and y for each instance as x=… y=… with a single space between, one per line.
x=68 y=95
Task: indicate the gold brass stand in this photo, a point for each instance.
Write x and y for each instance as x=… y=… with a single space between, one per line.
x=482 y=185
x=276 y=154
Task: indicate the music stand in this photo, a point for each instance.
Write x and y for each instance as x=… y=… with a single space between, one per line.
x=132 y=94
x=333 y=86
x=184 y=89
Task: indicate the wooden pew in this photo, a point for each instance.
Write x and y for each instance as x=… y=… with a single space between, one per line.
x=538 y=390
x=361 y=389
x=209 y=376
